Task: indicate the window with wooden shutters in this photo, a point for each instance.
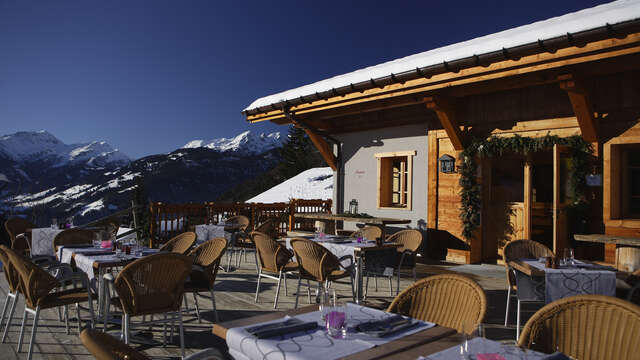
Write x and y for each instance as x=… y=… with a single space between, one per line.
x=630 y=181
x=394 y=179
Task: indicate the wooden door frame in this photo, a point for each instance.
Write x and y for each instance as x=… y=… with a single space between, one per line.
x=558 y=243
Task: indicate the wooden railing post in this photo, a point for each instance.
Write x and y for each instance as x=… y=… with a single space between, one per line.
x=152 y=228
x=292 y=211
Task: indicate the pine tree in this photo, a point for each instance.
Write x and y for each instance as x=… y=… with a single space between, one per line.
x=298 y=153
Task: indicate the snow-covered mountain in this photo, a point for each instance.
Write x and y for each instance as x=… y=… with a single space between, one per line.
x=29 y=146
x=246 y=142
x=315 y=183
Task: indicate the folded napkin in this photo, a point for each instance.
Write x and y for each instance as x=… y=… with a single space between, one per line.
x=388 y=326
x=288 y=326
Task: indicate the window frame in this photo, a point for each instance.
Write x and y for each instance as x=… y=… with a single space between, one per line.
x=613 y=211
x=408 y=185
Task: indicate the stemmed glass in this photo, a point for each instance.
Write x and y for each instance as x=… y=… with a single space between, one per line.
x=469 y=349
x=54 y=223
x=569 y=258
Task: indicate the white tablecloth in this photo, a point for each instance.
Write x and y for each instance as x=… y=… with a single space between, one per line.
x=314 y=344
x=484 y=346
x=208 y=232
x=564 y=282
x=42 y=240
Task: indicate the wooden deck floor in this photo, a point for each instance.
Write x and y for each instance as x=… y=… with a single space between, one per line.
x=235 y=299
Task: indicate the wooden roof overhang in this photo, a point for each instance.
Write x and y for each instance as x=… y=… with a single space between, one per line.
x=612 y=51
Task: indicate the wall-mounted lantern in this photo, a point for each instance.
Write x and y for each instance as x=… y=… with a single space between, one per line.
x=353 y=206
x=447 y=164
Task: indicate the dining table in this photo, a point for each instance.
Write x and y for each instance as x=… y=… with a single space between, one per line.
x=342 y=246
x=96 y=262
x=415 y=342
x=537 y=283
x=380 y=222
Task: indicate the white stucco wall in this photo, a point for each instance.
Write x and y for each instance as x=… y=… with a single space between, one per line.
x=360 y=180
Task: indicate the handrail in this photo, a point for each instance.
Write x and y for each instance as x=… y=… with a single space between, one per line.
x=168 y=220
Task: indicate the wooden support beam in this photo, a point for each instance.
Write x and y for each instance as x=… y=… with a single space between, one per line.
x=581 y=103
x=323 y=148
x=445 y=111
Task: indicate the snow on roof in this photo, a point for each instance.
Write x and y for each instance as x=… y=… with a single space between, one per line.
x=611 y=13
x=315 y=183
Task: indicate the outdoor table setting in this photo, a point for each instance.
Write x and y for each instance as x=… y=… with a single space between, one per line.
x=333 y=332
x=342 y=246
x=541 y=280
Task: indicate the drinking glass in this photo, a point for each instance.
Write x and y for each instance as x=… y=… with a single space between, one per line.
x=54 y=223
x=97 y=240
x=70 y=221
x=324 y=303
x=569 y=256
x=469 y=349
x=336 y=317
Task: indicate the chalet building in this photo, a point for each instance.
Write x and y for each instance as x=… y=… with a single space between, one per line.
x=532 y=132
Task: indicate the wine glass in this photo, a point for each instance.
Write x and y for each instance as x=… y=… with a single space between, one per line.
x=97 y=240
x=569 y=258
x=54 y=223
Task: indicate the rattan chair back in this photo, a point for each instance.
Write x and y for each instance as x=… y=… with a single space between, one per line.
x=449 y=300
x=106 y=347
x=585 y=327
x=16 y=226
x=368 y=232
x=241 y=220
x=10 y=274
x=273 y=256
x=35 y=283
x=409 y=239
x=153 y=284
x=314 y=260
x=208 y=256
x=522 y=249
x=180 y=244
x=75 y=236
x=268 y=227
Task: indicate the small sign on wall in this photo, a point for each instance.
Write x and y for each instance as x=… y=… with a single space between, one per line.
x=360 y=174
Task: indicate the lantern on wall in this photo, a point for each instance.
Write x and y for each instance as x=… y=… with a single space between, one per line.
x=353 y=206
x=447 y=164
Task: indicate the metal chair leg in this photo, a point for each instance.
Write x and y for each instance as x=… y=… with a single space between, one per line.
x=275 y=301
x=213 y=303
x=125 y=328
x=375 y=280
x=366 y=287
x=309 y=291
x=286 y=293
x=14 y=299
x=181 y=334
x=78 y=315
x=506 y=313
x=297 y=293
x=391 y=287
x=258 y=285
x=518 y=323
x=195 y=301
x=33 y=332
x=4 y=309
x=24 y=321
x=66 y=318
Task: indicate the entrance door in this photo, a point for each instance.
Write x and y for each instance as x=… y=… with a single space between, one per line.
x=561 y=163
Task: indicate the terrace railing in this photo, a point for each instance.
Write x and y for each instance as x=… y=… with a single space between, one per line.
x=168 y=220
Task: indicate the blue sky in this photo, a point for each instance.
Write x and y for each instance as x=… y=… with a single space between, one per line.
x=148 y=76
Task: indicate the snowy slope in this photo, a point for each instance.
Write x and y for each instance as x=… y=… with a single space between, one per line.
x=29 y=146
x=246 y=142
x=316 y=183
x=610 y=13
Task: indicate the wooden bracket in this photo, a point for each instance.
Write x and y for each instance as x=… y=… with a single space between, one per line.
x=582 y=106
x=318 y=141
x=445 y=110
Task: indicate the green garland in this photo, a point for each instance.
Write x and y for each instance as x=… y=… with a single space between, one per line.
x=470 y=194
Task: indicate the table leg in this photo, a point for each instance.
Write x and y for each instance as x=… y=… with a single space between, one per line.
x=358 y=277
x=101 y=291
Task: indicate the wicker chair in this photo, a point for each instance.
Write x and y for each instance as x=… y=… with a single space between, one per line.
x=75 y=236
x=519 y=249
x=244 y=242
x=206 y=261
x=274 y=259
x=37 y=285
x=13 y=281
x=368 y=232
x=240 y=239
x=151 y=285
x=105 y=347
x=317 y=263
x=180 y=244
x=448 y=300
x=17 y=229
x=585 y=327
x=410 y=241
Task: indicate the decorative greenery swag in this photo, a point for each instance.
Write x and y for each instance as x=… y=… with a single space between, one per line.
x=471 y=193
